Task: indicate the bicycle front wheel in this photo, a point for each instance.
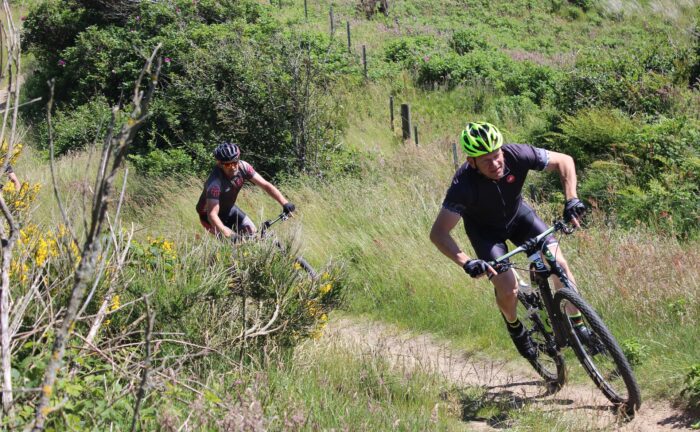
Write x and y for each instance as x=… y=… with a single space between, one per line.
x=600 y=354
x=549 y=362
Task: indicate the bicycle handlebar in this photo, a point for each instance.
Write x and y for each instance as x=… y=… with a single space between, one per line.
x=282 y=217
x=559 y=225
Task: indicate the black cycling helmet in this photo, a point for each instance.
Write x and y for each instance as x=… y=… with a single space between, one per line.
x=227 y=152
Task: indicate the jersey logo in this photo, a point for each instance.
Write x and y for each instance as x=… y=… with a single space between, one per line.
x=510 y=179
x=214 y=191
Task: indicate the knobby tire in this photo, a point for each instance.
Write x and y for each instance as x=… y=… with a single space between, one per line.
x=610 y=350
x=549 y=363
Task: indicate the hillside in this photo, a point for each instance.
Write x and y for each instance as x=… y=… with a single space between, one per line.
x=611 y=83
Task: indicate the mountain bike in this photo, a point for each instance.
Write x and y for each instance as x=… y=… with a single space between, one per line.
x=551 y=330
x=264 y=233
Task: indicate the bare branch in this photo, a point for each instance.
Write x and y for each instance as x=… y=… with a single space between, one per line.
x=92 y=245
x=146 y=366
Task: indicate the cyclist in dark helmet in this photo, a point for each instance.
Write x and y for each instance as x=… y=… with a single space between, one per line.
x=486 y=193
x=217 y=208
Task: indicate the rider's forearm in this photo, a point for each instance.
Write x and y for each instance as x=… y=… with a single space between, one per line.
x=275 y=194
x=446 y=244
x=216 y=221
x=567 y=174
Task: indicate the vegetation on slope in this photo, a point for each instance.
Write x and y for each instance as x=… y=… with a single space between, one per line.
x=612 y=86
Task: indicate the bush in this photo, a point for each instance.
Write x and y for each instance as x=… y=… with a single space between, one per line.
x=691 y=389
x=409 y=50
x=593 y=134
x=466 y=41
x=75 y=128
x=228 y=72
x=169 y=162
x=635 y=81
x=508 y=76
x=635 y=351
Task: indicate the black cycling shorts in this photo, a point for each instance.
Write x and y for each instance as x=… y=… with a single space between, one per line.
x=489 y=243
x=236 y=219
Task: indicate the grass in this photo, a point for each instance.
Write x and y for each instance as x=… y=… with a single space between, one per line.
x=645 y=286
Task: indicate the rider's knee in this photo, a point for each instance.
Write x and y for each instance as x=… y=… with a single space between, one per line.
x=505 y=284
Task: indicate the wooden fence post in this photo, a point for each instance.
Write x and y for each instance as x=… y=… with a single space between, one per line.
x=415 y=134
x=348 y=27
x=391 y=111
x=330 y=13
x=306 y=10
x=364 y=59
x=406 y=121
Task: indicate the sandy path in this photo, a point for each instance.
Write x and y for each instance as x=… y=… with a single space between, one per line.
x=581 y=405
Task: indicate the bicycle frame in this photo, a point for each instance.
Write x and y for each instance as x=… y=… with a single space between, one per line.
x=535 y=249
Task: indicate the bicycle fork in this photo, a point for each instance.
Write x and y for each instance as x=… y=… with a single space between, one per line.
x=539 y=275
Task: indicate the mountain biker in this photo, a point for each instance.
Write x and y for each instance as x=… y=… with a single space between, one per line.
x=486 y=193
x=217 y=208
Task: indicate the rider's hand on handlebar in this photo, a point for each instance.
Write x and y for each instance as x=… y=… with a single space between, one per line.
x=288 y=208
x=573 y=210
x=477 y=268
x=227 y=232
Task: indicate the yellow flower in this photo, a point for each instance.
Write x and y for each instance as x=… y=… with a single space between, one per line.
x=167 y=246
x=297 y=266
x=312 y=308
x=325 y=289
x=41 y=253
x=114 y=305
x=325 y=275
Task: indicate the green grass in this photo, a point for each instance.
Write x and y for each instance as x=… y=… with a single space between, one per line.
x=376 y=225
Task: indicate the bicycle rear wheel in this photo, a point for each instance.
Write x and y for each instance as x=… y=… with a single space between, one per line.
x=601 y=356
x=549 y=363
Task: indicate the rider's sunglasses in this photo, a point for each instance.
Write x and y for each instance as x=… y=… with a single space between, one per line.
x=231 y=164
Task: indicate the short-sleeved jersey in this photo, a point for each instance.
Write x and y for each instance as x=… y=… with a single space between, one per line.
x=494 y=203
x=225 y=190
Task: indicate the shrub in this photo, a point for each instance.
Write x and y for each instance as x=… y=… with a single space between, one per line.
x=635 y=351
x=634 y=80
x=593 y=134
x=691 y=389
x=74 y=128
x=228 y=71
x=409 y=50
x=169 y=162
x=466 y=41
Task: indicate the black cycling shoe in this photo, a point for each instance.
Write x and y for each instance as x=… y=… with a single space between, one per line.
x=588 y=339
x=524 y=344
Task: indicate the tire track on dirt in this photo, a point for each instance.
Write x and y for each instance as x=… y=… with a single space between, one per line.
x=581 y=405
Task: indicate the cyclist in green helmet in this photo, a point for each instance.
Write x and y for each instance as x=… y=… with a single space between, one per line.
x=486 y=193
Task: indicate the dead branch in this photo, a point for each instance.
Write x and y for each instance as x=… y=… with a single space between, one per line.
x=146 y=366
x=113 y=156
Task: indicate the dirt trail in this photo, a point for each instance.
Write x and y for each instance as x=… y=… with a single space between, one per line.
x=581 y=405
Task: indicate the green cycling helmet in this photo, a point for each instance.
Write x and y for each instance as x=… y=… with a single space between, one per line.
x=480 y=138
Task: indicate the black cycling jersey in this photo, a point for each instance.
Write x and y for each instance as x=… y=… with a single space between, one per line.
x=219 y=187
x=489 y=202
x=493 y=211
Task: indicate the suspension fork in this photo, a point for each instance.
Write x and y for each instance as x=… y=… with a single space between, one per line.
x=539 y=275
